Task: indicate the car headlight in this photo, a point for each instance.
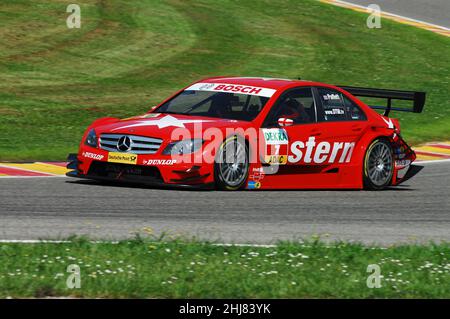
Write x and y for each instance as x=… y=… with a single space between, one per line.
x=91 y=139
x=183 y=147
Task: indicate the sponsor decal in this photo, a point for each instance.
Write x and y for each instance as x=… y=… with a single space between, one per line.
x=253 y=185
x=94 y=156
x=206 y=86
x=328 y=97
x=402 y=163
x=276 y=159
x=124 y=158
x=276 y=146
x=275 y=136
x=257 y=174
x=322 y=152
x=159 y=162
x=144 y=116
x=232 y=88
x=334 y=112
x=150 y=115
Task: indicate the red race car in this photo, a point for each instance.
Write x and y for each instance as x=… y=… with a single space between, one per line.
x=232 y=133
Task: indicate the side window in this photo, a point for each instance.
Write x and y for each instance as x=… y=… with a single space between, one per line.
x=353 y=110
x=333 y=105
x=297 y=106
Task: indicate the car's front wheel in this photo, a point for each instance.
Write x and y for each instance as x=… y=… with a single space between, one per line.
x=378 y=165
x=232 y=164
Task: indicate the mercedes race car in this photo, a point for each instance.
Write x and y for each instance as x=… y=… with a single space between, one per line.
x=233 y=133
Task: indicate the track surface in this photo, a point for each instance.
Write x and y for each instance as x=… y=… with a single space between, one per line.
x=52 y=208
x=431 y=11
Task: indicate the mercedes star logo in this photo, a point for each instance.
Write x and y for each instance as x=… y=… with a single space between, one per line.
x=124 y=144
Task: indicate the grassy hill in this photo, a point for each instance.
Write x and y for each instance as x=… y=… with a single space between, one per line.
x=129 y=55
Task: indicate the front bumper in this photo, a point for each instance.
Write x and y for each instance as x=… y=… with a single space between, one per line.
x=192 y=177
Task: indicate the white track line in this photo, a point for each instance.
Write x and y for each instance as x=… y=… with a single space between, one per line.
x=246 y=245
x=37 y=241
x=395 y=15
x=34 y=241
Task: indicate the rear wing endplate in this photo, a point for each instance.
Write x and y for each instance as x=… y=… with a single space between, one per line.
x=418 y=98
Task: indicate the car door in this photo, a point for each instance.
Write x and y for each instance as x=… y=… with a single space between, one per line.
x=290 y=129
x=341 y=123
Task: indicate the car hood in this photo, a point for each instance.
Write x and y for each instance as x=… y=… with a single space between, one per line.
x=162 y=125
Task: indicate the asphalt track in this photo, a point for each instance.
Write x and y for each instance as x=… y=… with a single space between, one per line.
x=431 y=11
x=56 y=207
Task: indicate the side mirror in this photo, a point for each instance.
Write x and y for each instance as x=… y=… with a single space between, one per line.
x=282 y=121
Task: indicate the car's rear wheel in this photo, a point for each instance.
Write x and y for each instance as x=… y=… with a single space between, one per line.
x=378 y=165
x=231 y=165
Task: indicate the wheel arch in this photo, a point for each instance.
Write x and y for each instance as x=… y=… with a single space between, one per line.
x=236 y=135
x=386 y=138
x=363 y=144
x=359 y=153
x=232 y=136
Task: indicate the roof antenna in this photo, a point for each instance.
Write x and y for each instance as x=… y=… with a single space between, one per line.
x=299 y=78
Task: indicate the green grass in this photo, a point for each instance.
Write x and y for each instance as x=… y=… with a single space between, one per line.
x=129 y=55
x=189 y=269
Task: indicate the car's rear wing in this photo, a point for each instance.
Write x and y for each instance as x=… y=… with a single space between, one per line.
x=418 y=98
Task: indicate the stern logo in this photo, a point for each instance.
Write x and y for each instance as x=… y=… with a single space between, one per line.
x=311 y=152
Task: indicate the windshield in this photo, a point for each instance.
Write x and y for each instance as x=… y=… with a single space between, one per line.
x=227 y=105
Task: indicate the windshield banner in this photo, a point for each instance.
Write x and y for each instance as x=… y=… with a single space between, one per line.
x=232 y=88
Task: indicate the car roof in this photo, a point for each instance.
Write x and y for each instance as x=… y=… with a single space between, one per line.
x=270 y=83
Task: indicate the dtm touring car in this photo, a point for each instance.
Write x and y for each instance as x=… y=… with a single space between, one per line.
x=232 y=133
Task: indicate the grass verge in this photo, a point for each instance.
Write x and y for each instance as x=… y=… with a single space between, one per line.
x=189 y=269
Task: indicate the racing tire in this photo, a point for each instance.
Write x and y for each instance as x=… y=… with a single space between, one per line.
x=231 y=165
x=378 y=165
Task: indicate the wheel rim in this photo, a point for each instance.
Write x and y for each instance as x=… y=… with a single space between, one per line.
x=233 y=164
x=380 y=164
